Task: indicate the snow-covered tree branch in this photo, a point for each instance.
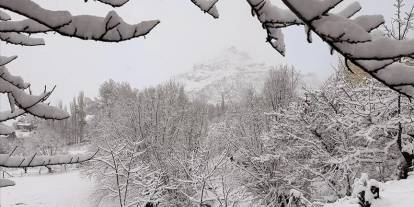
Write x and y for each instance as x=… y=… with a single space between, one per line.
x=352 y=39
x=11 y=161
x=111 y=28
x=207 y=6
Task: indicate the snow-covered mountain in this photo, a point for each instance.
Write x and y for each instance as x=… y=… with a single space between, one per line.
x=229 y=74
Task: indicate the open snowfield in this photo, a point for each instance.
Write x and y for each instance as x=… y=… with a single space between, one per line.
x=56 y=190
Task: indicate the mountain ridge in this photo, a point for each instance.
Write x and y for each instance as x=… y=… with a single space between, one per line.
x=228 y=75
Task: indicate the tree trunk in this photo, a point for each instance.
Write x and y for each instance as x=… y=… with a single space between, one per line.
x=405 y=165
x=49 y=169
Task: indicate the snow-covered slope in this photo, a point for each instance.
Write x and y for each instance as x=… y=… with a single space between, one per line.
x=396 y=193
x=228 y=74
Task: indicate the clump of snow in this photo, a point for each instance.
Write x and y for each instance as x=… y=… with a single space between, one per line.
x=6 y=60
x=295 y=193
x=273 y=19
x=4 y=16
x=111 y=28
x=207 y=6
x=360 y=184
x=114 y=3
x=363 y=189
x=20 y=39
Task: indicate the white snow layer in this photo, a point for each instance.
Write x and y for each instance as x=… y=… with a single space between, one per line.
x=4 y=16
x=20 y=39
x=114 y=3
x=40 y=160
x=62 y=190
x=207 y=6
x=6 y=60
x=6 y=183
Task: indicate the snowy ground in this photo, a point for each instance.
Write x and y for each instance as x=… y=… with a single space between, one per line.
x=392 y=194
x=71 y=189
x=57 y=190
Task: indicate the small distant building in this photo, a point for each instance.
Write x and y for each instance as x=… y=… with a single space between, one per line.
x=25 y=126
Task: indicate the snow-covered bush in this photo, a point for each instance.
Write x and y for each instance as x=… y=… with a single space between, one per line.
x=365 y=190
x=296 y=199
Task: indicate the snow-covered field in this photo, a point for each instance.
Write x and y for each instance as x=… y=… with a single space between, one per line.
x=69 y=189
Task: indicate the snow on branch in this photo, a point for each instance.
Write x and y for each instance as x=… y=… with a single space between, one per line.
x=6 y=183
x=6 y=60
x=350 y=10
x=352 y=38
x=30 y=9
x=15 y=80
x=13 y=86
x=9 y=161
x=313 y=9
x=273 y=19
x=4 y=16
x=27 y=26
x=111 y=28
x=20 y=39
x=208 y=6
x=34 y=105
x=113 y=3
x=46 y=111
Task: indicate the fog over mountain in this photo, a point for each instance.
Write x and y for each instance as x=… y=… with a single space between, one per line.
x=229 y=73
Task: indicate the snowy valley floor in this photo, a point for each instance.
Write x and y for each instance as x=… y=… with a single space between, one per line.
x=57 y=190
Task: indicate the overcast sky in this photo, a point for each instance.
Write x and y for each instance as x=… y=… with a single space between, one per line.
x=185 y=36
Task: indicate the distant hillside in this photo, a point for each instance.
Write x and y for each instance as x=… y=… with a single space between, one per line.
x=229 y=74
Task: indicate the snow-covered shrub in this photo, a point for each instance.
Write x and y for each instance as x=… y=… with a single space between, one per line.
x=365 y=190
x=296 y=199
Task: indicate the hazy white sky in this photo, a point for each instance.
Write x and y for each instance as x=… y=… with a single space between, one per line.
x=184 y=37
